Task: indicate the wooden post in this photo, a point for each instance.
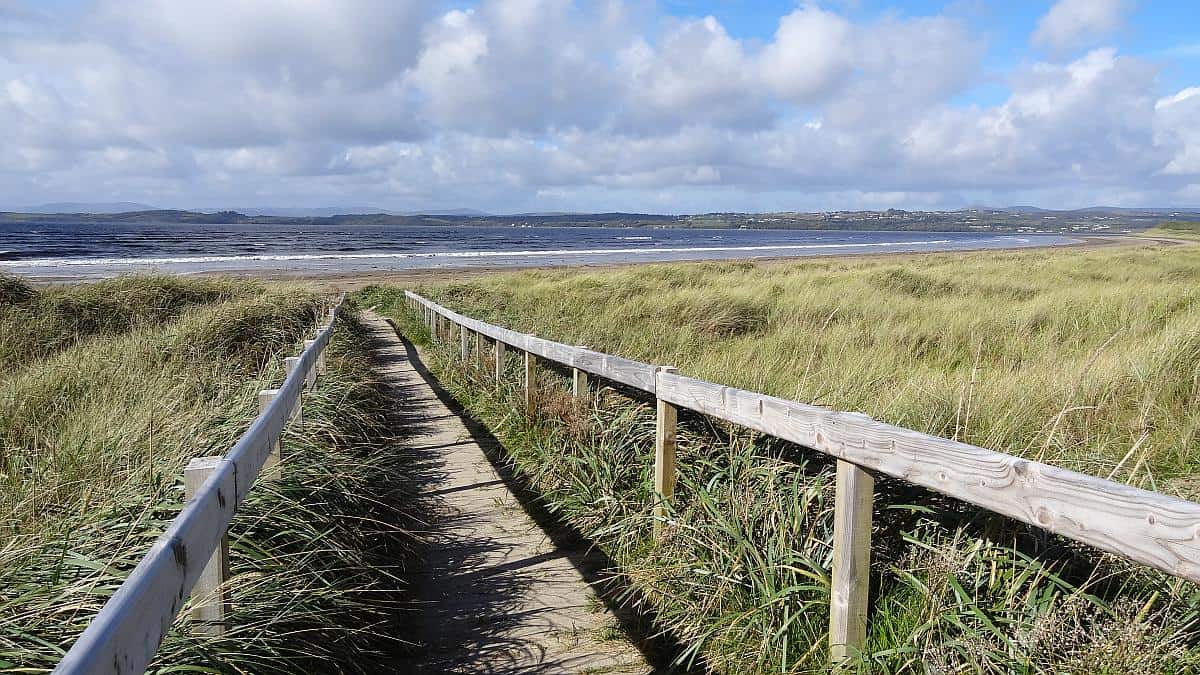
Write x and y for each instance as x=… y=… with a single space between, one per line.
x=664 y=457
x=579 y=382
x=290 y=364
x=851 y=562
x=530 y=382
x=270 y=467
x=321 y=356
x=499 y=362
x=464 y=347
x=211 y=593
x=311 y=380
x=479 y=350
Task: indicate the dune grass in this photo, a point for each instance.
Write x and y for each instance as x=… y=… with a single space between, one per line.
x=36 y=322
x=93 y=439
x=1084 y=358
x=1068 y=356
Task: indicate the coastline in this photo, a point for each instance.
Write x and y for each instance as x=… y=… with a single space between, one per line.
x=351 y=281
x=348 y=280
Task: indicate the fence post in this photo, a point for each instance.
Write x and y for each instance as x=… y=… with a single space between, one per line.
x=464 y=347
x=310 y=380
x=479 y=350
x=297 y=413
x=579 y=381
x=270 y=468
x=851 y=562
x=211 y=593
x=664 y=456
x=530 y=381
x=499 y=362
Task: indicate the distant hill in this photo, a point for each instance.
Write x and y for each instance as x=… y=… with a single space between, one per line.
x=1098 y=220
x=329 y=211
x=88 y=207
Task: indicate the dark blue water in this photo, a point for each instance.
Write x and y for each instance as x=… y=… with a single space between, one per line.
x=89 y=249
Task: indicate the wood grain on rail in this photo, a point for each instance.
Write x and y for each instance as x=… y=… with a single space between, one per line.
x=1147 y=527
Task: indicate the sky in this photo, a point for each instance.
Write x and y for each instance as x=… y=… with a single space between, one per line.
x=675 y=106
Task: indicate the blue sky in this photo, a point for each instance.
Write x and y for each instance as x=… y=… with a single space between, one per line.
x=1166 y=30
x=669 y=106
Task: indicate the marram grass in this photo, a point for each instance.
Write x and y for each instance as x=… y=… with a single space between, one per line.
x=93 y=439
x=1083 y=358
x=37 y=322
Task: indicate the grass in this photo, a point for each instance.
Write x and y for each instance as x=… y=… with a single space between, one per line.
x=38 y=322
x=1175 y=230
x=94 y=434
x=1087 y=358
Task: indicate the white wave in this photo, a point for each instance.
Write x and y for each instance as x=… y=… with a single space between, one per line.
x=193 y=260
x=635 y=238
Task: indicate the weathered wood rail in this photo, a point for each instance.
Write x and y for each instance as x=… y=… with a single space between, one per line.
x=1150 y=528
x=191 y=557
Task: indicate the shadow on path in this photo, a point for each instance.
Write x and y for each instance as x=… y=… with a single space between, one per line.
x=497 y=588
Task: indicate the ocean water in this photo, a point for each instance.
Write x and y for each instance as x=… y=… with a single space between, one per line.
x=83 y=250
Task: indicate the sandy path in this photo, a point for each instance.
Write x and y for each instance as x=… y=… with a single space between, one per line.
x=494 y=593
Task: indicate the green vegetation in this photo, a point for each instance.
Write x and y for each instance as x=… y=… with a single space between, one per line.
x=94 y=434
x=35 y=323
x=1177 y=230
x=1089 y=359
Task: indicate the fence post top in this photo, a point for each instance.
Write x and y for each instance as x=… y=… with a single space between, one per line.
x=203 y=463
x=665 y=369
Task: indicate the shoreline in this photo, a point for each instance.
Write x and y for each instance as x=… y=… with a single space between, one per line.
x=350 y=280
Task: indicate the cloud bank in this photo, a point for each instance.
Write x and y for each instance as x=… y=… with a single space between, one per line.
x=551 y=104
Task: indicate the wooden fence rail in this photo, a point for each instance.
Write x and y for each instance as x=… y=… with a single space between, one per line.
x=1150 y=528
x=129 y=628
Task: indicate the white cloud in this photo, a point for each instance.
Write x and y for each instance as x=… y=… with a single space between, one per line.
x=1177 y=127
x=531 y=104
x=1078 y=23
x=812 y=50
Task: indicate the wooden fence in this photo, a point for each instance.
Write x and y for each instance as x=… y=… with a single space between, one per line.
x=192 y=556
x=1150 y=528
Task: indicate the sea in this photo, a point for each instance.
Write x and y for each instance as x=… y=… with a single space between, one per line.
x=75 y=250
